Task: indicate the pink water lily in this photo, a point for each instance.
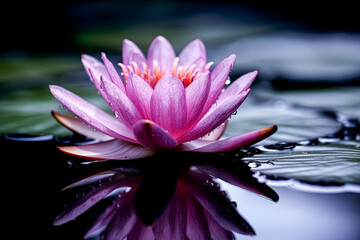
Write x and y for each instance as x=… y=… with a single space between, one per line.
x=159 y=102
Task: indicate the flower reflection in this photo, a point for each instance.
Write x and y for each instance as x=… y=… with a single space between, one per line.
x=165 y=102
x=158 y=200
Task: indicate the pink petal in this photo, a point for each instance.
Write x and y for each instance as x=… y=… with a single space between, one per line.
x=91 y=115
x=238 y=86
x=152 y=136
x=91 y=179
x=237 y=142
x=217 y=133
x=124 y=219
x=75 y=125
x=218 y=78
x=197 y=225
x=113 y=74
x=161 y=51
x=141 y=232
x=193 y=53
x=96 y=66
x=172 y=224
x=110 y=150
x=95 y=70
x=132 y=53
x=121 y=105
x=196 y=96
x=140 y=93
x=215 y=203
x=89 y=199
x=168 y=105
x=214 y=118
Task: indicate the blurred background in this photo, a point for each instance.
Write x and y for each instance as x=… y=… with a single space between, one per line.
x=307 y=53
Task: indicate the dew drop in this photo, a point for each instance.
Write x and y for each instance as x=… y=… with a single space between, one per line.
x=234 y=204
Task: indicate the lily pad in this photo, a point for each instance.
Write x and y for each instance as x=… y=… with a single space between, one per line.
x=333 y=163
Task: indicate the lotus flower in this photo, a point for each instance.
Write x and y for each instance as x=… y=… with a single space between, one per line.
x=162 y=102
x=178 y=201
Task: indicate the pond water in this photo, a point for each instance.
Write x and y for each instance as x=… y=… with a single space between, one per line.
x=312 y=162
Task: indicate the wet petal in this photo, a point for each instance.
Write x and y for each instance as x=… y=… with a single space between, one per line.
x=237 y=142
x=110 y=150
x=193 y=53
x=218 y=78
x=75 y=125
x=132 y=53
x=214 y=118
x=96 y=66
x=241 y=84
x=121 y=105
x=161 y=51
x=152 y=136
x=196 y=96
x=168 y=105
x=172 y=223
x=216 y=133
x=90 y=199
x=197 y=225
x=140 y=92
x=215 y=202
x=95 y=70
x=91 y=115
x=113 y=74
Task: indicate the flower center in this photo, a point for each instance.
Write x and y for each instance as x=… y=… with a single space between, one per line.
x=187 y=74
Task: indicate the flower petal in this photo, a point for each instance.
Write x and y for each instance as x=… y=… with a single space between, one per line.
x=132 y=53
x=152 y=136
x=75 y=125
x=141 y=232
x=239 y=174
x=193 y=53
x=215 y=203
x=96 y=66
x=91 y=198
x=214 y=118
x=172 y=224
x=121 y=105
x=196 y=96
x=218 y=232
x=111 y=150
x=168 y=105
x=161 y=51
x=218 y=78
x=237 y=142
x=216 y=133
x=140 y=93
x=238 y=86
x=95 y=70
x=113 y=74
x=124 y=219
x=91 y=115
x=101 y=222
x=197 y=225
